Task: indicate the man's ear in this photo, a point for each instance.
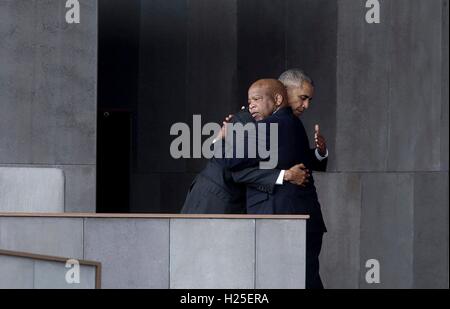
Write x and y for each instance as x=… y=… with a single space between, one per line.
x=278 y=99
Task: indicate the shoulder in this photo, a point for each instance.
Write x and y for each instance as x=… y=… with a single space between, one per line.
x=243 y=116
x=282 y=115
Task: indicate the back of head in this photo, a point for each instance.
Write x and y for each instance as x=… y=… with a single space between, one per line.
x=295 y=78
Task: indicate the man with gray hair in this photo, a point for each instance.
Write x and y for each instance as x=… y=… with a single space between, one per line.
x=300 y=91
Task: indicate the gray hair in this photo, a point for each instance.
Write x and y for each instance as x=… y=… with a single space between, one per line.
x=295 y=78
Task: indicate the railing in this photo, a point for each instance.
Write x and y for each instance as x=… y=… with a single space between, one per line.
x=46 y=271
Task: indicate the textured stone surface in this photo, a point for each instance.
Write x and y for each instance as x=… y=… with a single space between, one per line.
x=387 y=228
x=133 y=253
x=212 y=254
x=47 y=83
x=389 y=87
x=280 y=254
x=362 y=113
x=47 y=236
x=340 y=198
x=48 y=91
x=52 y=275
x=29 y=273
x=16 y=273
x=444 y=85
x=431 y=230
x=29 y=189
x=80 y=188
x=414 y=86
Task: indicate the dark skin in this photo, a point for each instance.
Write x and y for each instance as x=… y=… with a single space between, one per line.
x=319 y=140
x=299 y=99
x=297 y=175
x=264 y=97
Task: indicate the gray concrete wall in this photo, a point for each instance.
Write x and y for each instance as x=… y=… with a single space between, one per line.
x=400 y=219
x=48 y=92
x=45 y=236
x=31 y=189
x=31 y=273
x=162 y=252
x=311 y=40
x=391 y=156
x=389 y=90
x=212 y=254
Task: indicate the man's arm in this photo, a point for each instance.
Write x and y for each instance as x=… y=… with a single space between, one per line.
x=266 y=180
x=262 y=180
x=231 y=148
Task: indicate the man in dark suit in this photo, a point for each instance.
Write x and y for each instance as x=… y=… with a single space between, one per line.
x=216 y=190
x=268 y=105
x=300 y=91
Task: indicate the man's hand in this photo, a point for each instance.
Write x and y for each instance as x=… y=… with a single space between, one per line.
x=223 y=131
x=297 y=175
x=319 y=140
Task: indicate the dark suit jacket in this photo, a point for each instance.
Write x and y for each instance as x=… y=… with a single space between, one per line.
x=217 y=191
x=293 y=148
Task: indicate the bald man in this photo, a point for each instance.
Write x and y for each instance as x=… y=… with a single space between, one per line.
x=217 y=190
x=268 y=105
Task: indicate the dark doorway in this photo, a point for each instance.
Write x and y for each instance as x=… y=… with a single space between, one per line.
x=118 y=46
x=113 y=166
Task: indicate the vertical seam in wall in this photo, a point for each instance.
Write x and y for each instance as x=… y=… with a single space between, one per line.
x=96 y=109
x=413 y=230
x=441 y=94
x=336 y=25
x=169 y=268
x=360 y=229
x=236 y=52
x=134 y=117
x=336 y=82
x=254 y=263
x=186 y=67
x=33 y=95
x=447 y=264
x=34 y=273
x=443 y=77
x=82 y=238
x=96 y=97
x=64 y=190
x=286 y=25
x=389 y=75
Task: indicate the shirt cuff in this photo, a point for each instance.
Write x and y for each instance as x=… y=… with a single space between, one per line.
x=280 y=178
x=319 y=157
